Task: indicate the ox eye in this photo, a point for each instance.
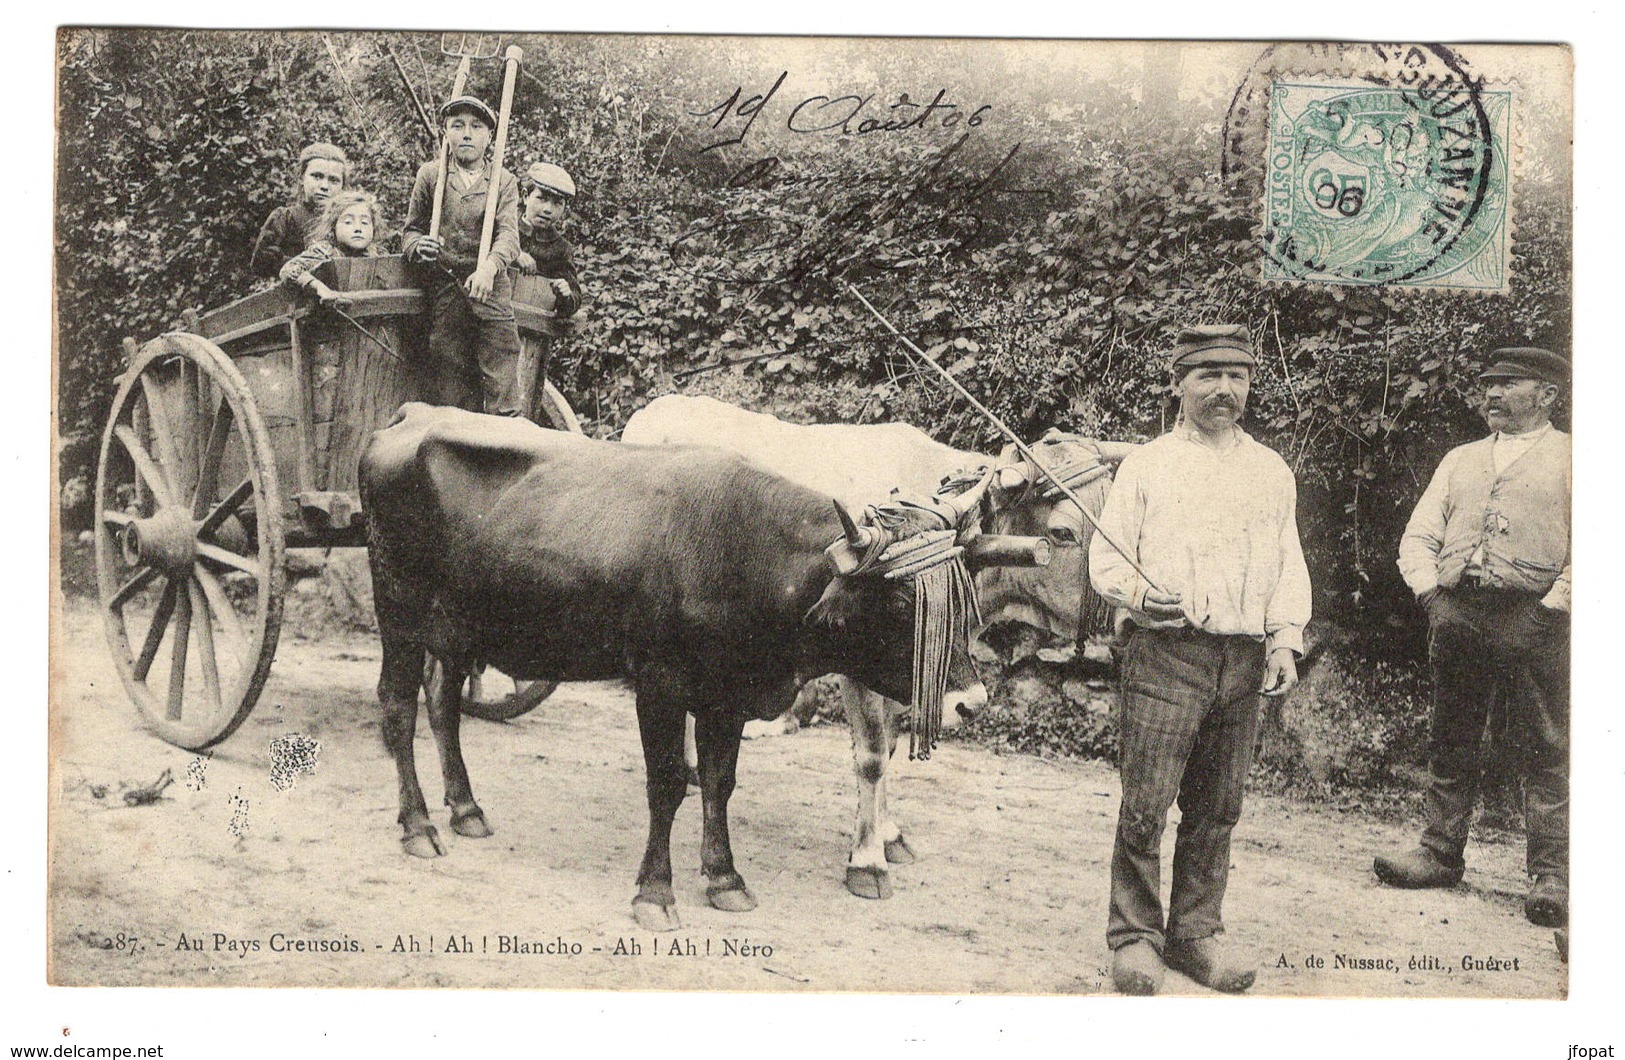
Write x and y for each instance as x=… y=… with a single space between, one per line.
x=1063 y=536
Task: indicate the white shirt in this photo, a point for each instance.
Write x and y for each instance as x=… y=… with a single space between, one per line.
x=1508 y=447
x=1218 y=527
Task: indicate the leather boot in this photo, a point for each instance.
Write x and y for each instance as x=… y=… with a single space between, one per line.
x=1211 y=962
x=1548 y=902
x=1417 y=868
x=1137 y=969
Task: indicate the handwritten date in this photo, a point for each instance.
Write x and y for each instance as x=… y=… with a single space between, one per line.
x=848 y=115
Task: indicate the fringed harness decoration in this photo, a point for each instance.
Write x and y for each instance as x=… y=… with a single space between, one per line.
x=945 y=608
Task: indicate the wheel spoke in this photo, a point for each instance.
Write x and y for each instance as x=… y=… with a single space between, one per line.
x=227 y=508
x=163 y=434
x=220 y=604
x=205 y=646
x=214 y=450
x=155 y=632
x=120 y=519
x=177 y=658
x=138 y=420
x=145 y=468
x=142 y=578
x=230 y=559
x=192 y=403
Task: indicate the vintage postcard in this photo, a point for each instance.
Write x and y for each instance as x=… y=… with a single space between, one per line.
x=1200 y=369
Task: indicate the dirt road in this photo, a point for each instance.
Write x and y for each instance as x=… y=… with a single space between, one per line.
x=230 y=880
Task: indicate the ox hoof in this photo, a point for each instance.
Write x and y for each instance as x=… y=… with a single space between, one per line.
x=732 y=900
x=868 y=883
x=652 y=917
x=470 y=825
x=898 y=852
x=424 y=844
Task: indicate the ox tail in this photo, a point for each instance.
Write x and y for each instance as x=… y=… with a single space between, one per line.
x=945 y=612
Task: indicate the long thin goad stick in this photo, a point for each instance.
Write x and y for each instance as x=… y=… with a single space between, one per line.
x=1021 y=446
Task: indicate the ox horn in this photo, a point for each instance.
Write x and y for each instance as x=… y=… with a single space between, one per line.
x=966 y=502
x=856 y=536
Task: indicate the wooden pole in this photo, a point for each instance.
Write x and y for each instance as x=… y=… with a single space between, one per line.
x=1021 y=447
x=510 y=69
x=445 y=154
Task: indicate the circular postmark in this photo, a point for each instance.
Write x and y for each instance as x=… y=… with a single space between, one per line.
x=1374 y=165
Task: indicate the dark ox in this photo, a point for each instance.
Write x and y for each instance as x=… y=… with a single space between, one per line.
x=697 y=574
x=861 y=464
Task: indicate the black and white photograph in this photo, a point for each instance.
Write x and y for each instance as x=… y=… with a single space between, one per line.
x=945 y=517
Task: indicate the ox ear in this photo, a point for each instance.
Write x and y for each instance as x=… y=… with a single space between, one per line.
x=836 y=609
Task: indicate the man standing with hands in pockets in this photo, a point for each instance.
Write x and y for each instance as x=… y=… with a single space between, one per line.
x=1211 y=517
x=1487 y=554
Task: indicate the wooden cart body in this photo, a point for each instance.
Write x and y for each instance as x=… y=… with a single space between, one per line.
x=238 y=438
x=323 y=384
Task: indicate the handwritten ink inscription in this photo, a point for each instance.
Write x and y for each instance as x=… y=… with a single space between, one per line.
x=849 y=115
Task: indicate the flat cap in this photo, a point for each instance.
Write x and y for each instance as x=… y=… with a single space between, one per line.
x=469 y=103
x=1527 y=362
x=1213 y=344
x=553 y=178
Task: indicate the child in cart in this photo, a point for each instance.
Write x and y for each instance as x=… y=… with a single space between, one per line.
x=543 y=250
x=322 y=172
x=349 y=229
x=473 y=337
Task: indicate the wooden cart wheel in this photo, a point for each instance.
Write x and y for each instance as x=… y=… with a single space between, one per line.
x=481 y=696
x=189 y=540
x=550 y=405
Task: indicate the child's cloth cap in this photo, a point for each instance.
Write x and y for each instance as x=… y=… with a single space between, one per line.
x=473 y=103
x=330 y=152
x=551 y=178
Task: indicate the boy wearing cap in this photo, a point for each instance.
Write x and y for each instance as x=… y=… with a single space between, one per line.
x=473 y=339
x=1211 y=516
x=290 y=228
x=543 y=250
x=1486 y=552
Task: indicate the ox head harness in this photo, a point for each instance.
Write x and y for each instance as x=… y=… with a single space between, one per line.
x=1074 y=473
x=920 y=541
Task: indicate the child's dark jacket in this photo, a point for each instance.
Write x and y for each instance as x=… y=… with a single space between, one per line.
x=285 y=233
x=551 y=252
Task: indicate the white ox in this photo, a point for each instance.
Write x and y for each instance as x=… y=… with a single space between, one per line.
x=861 y=464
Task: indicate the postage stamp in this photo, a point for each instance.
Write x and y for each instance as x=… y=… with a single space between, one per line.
x=1371 y=184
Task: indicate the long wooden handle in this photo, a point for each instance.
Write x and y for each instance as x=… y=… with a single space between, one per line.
x=510 y=63
x=445 y=154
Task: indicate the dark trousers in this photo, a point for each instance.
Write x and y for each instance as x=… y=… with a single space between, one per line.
x=1188 y=723
x=474 y=349
x=1480 y=643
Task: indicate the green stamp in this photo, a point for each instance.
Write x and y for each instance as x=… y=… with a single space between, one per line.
x=1399 y=186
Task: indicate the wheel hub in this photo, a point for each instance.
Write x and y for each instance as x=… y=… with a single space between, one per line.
x=168 y=541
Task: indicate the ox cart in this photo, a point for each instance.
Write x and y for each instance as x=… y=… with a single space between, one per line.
x=237 y=439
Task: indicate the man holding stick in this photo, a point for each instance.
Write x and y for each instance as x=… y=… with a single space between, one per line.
x=1210 y=517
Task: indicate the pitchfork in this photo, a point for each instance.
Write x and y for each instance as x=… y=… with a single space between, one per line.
x=465 y=47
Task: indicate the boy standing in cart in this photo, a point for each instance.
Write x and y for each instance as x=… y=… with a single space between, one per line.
x=473 y=339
